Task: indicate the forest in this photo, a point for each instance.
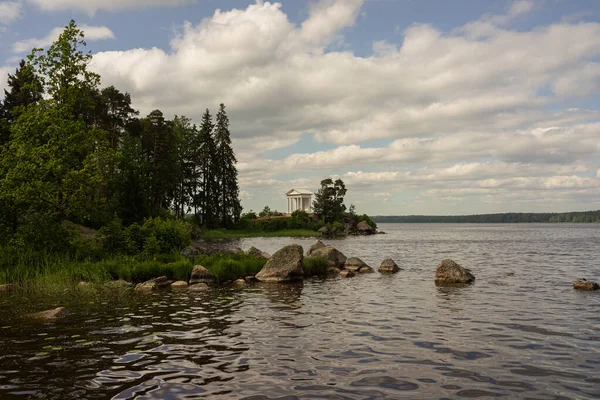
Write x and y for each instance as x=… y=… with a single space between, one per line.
x=75 y=154
x=573 y=217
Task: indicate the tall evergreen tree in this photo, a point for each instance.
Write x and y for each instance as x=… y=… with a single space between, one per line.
x=229 y=207
x=185 y=136
x=206 y=191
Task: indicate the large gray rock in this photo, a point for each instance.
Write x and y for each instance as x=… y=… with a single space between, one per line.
x=317 y=245
x=56 y=313
x=335 y=257
x=253 y=251
x=153 y=284
x=354 y=264
x=388 y=266
x=585 y=285
x=284 y=266
x=364 y=228
x=202 y=275
x=450 y=273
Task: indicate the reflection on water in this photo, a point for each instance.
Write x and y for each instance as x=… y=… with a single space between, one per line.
x=527 y=335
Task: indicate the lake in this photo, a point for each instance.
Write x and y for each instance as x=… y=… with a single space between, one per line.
x=520 y=331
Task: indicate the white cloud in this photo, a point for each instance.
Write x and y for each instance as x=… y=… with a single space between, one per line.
x=4 y=71
x=92 y=6
x=91 y=33
x=9 y=12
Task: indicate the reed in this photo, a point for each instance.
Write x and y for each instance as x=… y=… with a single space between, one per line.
x=316 y=266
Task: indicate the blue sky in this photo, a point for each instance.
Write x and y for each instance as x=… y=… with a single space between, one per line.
x=422 y=107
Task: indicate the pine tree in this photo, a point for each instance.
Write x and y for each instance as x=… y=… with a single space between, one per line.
x=229 y=207
x=206 y=191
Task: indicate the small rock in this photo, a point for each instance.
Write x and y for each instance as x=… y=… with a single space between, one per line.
x=450 y=273
x=365 y=269
x=199 y=287
x=583 y=284
x=250 y=279
x=202 y=275
x=333 y=271
x=239 y=282
x=324 y=231
x=354 y=264
x=346 y=273
x=179 y=285
x=284 y=266
x=153 y=284
x=59 y=312
x=510 y=274
x=120 y=282
x=388 y=266
x=7 y=288
x=253 y=251
x=190 y=252
x=83 y=283
x=382 y=233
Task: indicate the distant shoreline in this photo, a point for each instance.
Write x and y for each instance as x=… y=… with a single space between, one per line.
x=502 y=218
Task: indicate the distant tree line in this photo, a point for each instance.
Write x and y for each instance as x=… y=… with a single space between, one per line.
x=573 y=217
x=70 y=150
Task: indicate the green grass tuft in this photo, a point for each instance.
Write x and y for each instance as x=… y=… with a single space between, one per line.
x=316 y=266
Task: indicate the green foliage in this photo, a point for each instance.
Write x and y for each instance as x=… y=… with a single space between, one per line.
x=229 y=267
x=243 y=233
x=329 y=200
x=266 y=212
x=315 y=266
x=368 y=220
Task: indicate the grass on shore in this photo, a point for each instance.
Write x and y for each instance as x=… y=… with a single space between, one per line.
x=227 y=234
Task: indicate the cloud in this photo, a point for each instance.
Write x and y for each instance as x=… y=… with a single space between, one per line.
x=92 y=6
x=91 y=33
x=9 y=12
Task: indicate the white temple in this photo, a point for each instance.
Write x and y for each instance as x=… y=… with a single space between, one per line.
x=299 y=199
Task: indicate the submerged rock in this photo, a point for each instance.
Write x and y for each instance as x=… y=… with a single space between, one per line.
x=335 y=257
x=584 y=284
x=284 y=266
x=345 y=273
x=388 y=266
x=354 y=264
x=56 y=313
x=365 y=269
x=317 y=245
x=201 y=275
x=179 y=285
x=254 y=252
x=153 y=284
x=450 y=273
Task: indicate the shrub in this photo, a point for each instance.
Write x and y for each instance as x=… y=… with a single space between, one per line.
x=170 y=234
x=315 y=266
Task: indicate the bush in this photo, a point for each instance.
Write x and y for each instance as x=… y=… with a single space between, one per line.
x=170 y=234
x=315 y=266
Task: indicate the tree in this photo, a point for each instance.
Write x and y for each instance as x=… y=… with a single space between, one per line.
x=229 y=207
x=53 y=162
x=206 y=189
x=329 y=200
x=185 y=136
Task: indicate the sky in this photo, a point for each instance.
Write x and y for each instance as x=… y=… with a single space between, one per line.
x=419 y=106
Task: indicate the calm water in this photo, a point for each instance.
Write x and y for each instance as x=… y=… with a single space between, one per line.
x=371 y=337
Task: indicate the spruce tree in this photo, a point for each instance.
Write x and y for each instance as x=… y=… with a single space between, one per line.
x=229 y=207
x=206 y=192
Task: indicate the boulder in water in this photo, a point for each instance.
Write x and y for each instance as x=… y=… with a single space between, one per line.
x=202 y=275
x=365 y=269
x=363 y=228
x=388 y=266
x=179 y=285
x=450 y=273
x=335 y=257
x=585 y=285
x=345 y=273
x=254 y=252
x=284 y=266
x=354 y=264
x=154 y=284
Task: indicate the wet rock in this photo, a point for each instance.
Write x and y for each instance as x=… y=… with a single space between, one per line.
x=335 y=257
x=354 y=264
x=7 y=288
x=199 y=287
x=254 y=252
x=585 y=285
x=317 y=245
x=179 y=285
x=388 y=266
x=250 y=279
x=239 y=282
x=346 y=273
x=284 y=266
x=363 y=228
x=190 y=252
x=324 y=231
x=56 y=313
x=510 y=274
x=159 y=283
x=365 y=269
x=202 y=275
x=382 y=233
x=333 y=271
x=450 y=273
